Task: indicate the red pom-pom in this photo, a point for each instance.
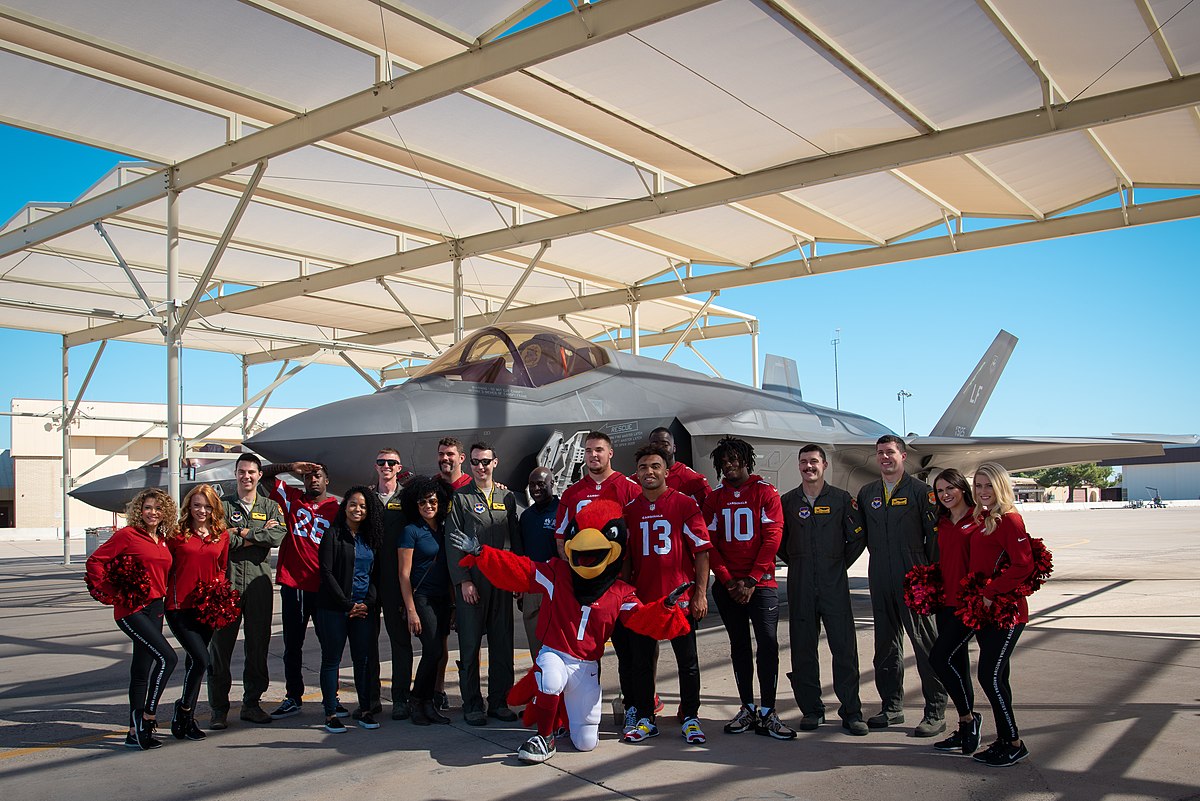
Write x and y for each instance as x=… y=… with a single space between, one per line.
x=1043 y=566
x=126 y=583
x=217 y=603
x=923 y=591
x=1004 y=612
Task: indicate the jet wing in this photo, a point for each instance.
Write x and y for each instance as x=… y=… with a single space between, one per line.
x=1026 y=453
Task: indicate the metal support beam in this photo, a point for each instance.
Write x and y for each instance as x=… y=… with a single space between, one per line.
x=258 y=412
x=365 y=375
x=635 y=328
x=458 y=300
x=521 y=281
x=412 y=318
x=66 y=458
x=137 y=285
x=755 y=377
x=551 y=39
x=1021 y=127
x=87 y=379
x=700 y=356
x=711 y=297
x=668 y=337
x=174 y=390
x=245 y=398
x=222 y=245
x=225 y=418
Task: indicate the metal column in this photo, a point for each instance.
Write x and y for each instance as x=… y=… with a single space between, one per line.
x=458 y=300
x=635 y=329
x=174 y=429
x=66 y=460
x=245 y=397
x=755 y=378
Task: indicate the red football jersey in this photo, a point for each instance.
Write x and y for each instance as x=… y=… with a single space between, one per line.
x=664 y=537
x=307 y=522
x=569 y=626
x=617 y=486
x=746 y=525
x=682 y=478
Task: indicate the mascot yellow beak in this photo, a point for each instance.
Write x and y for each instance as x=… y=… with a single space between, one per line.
x=589 y=552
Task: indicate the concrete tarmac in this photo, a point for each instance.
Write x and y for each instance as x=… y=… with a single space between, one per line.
x=1106 y=682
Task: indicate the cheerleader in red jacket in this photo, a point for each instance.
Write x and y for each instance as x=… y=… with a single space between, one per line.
x=1001 y=538
x=200 y=554
x=948 y=656
x=584 y=600
x=145 y=559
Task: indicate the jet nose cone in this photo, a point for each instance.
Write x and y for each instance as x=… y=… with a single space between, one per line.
x=112 y=493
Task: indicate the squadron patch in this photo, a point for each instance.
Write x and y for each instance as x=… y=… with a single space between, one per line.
x=932 y=498
x=877 y=503
x=854 y=504
x=479 y=507
x=804 y=512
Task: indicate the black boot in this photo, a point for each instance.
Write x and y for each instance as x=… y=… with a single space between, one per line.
x=430 y=710
x=179 y=721
x=144 y=732
x=420 y=712
x=194 y=732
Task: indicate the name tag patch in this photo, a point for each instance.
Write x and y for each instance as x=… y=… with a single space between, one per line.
x=258 y=515
x=821 y=510
x=393 y=505
x=899 y=501
x=499 y=506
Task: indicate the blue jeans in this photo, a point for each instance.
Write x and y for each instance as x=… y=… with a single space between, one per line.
x=335 y=628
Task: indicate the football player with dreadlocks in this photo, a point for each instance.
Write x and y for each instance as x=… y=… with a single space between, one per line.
x=745 y=523
x=584 y=600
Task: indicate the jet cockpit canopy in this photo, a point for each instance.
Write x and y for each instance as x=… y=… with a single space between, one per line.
x=519 y=355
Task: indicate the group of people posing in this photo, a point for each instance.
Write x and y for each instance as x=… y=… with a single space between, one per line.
x=389 y=558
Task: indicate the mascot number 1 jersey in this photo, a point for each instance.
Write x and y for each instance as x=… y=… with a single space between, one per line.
x=573 y=628
x=664 y=537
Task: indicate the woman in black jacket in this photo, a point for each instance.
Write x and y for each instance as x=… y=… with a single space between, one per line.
x=349 y=576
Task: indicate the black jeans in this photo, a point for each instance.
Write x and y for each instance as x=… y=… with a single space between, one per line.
x=434 y=613
x=296 y=608
x=995 y=651
x=337 y=627
x=950 y=660
x=194 y=636
x=641 y=656
x=762 y=612
x=153 y=660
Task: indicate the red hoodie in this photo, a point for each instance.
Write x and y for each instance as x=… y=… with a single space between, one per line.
x=987 y=549
x=195 y=560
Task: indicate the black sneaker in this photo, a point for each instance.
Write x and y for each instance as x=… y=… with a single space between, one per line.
x=143 y=731
x=1004 y=756
x=953 y=743
x=179 y=720
x=334 y=725
x=341 y=711
x=367 y=721
x=288 y=708
x=970 y=733
x=536 y=749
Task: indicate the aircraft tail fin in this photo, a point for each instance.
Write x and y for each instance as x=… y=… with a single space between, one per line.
x=781 y=376
x=963 y=413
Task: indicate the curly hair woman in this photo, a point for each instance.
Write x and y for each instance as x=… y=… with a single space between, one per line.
x=349 y=564
x=200 y=553
x=151 y=517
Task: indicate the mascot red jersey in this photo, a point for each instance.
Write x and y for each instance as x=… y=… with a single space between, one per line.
x=584 y=600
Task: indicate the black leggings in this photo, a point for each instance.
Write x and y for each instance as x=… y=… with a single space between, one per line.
x=194 y=636
x=434 y=613
x=995 y=650
x=763 y=612
x=153 y=658
x=950 y=660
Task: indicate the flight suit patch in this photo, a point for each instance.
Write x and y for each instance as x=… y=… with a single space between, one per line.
x=479 y=507
x=804 y=512
x=821 y=510
x=932 y=499
x=258 y=515
x=854 y=504
x=877 y=503
x=499 y=506
x=394 y=505
x=899 y=501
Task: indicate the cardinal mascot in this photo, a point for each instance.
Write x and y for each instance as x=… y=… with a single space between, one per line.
x=584 y=600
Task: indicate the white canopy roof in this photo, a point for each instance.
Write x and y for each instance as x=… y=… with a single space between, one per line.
x=625 y=142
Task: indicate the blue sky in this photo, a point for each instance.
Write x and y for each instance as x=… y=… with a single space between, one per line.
x=1107 y=325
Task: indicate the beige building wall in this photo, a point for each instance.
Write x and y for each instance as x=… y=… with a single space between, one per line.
x=37 y=451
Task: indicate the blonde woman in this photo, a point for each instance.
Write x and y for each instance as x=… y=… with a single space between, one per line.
x=151 y=517
x=200 y=553
x=1001 y=532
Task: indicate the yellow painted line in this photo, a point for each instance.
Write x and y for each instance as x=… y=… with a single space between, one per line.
x=1073 y=544
x=92 y=738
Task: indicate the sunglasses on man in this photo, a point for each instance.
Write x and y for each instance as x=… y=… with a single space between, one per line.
x=482 y=462
x=387 y=462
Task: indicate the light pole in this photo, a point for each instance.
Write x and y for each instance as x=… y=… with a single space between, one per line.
x=837 y=394
x=900 y=396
